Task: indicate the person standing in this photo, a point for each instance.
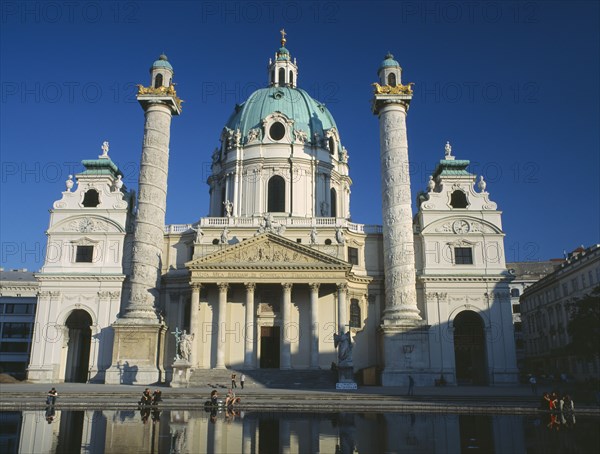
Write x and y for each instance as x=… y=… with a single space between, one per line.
x=411 y=386
x=533 y=383
x=242 y=380
x=233 y=383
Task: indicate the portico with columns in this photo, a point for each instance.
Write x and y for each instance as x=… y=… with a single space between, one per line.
x=268 y=302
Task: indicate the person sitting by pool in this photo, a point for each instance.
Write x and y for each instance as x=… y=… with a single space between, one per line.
x=230 y=398
x=156 y=397
x=52 y=395
x=146 y=398
x=214 y=397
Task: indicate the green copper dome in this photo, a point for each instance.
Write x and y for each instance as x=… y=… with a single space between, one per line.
x=162 y=62
x=389 y=62
x=309 y=115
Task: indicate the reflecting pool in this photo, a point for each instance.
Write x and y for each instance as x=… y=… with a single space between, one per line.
x=184 y=431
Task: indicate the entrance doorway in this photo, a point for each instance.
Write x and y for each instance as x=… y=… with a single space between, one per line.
x=78 y=347
x=469 y=349
x=269 y=347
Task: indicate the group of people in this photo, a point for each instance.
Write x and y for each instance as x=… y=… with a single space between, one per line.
x=230 y=399
x=234 y=383
x=150 y=399
x=555 y=403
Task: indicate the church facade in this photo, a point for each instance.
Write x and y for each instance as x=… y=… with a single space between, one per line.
x=277 y=270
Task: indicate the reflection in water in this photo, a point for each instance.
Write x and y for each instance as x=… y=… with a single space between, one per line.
x=181 y=431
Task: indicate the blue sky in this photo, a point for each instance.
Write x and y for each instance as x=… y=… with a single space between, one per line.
x=514 y=86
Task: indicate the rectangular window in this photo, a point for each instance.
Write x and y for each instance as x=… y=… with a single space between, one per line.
x=84 y=254
x=14 y=347
x=516 y=308
x=16 y=330
x=463 y=256
x=565 y=290
x=583 y=281
x=591 y=277
x=353 y=255
x=19 y=309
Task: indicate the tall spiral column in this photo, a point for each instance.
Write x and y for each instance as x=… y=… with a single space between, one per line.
x=401 y=323
x=139 y=333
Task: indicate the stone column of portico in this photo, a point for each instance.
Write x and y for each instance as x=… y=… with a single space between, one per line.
x=194 y=328
x=286 y=306
x=314 y=326
x=249 y=331
x=342 y=312
x=221 y=314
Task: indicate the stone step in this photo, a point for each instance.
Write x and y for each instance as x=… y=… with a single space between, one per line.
x=270 y=378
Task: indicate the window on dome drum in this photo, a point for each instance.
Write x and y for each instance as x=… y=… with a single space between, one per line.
x=463 y=256
x=277 y=131
x=158 y=81
x=281 y=76
x=291 y=78
x=458 y=199
x=355 y=319
x=276 y=195
x=353 y=255
x=84 y=254
x=91 y=199
x=392 y=80
x=331 y=145
x=333 y=202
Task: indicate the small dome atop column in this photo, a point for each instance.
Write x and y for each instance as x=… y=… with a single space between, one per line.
x=389 y=71
x=161 y=73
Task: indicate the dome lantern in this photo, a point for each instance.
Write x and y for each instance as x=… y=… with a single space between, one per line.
x=389 y=71
x=161 y=73
x=283 y=72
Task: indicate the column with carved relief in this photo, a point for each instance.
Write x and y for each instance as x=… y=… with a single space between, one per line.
x=390 y=104
x=139 y=331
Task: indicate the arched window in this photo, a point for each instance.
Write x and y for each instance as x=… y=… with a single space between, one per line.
x=291 y=78
x=281 y=76
x=355 y=319
x=273 y=76
x=158 y=81
x=170 y=81
x=392 y=79
x=515 y=292
x=333 y=202
x=458 y=199
x=91 y=199
x=331 y=145
x=276 y=195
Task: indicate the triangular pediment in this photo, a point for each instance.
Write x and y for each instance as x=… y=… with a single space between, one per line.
x=267 y=251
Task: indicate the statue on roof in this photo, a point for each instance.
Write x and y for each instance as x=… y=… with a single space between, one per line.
x=448 y=150
x=104 y=148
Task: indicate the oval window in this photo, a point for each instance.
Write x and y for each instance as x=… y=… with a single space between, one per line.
x=277 y=131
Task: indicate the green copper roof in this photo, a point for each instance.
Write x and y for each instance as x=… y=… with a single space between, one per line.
x=283 y=54
x=389 y=62
x=309 y=115
x=100 y=167
x=455 y=167
x=162 y=62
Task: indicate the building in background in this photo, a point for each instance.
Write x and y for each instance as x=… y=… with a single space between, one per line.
x=545 y=314
x=525 y=274
x=18 y=299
